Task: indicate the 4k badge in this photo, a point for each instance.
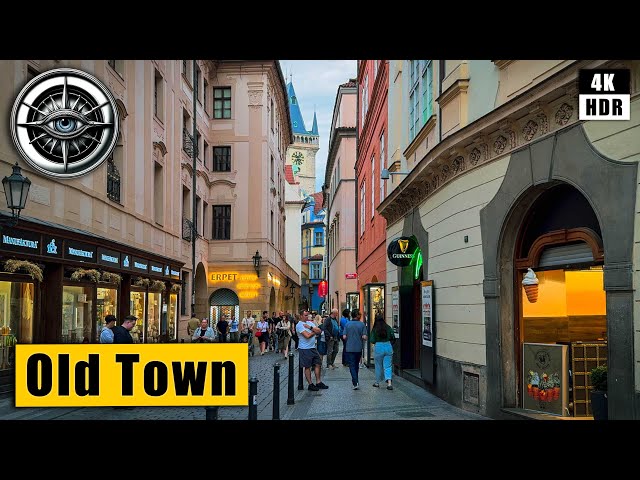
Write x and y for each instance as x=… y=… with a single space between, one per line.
x=64 y=123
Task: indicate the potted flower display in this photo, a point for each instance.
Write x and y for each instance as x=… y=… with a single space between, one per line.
x=599 y=403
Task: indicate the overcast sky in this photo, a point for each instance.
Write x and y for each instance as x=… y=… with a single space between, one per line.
x=316 y=83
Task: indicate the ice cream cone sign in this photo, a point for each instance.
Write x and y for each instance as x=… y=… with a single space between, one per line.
x=530 y=284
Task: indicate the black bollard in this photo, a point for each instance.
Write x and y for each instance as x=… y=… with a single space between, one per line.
x=253 y=398
x=212 y=413
x=276 y=392
x=290 y=399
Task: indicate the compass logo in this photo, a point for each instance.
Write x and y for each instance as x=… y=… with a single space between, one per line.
x=64 y=123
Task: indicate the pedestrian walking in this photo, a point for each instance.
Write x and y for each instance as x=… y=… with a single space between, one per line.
x=332 y=332
x=295 y=337
x=121 y=333
x=346 y=315
x=222 y=327
x=284 y=335
x=106 y=334
x=262 y=332
x=246 y=325
x=309 y=357
x=233 y=329
x=192 y=325
x=381 y=336
x=204 y=333
x=355 y=334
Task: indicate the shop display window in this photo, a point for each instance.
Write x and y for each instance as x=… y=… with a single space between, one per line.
x=106 y=304
x=137 y=307
x=77 y=313
x=172 y=316
x=154 y=308
x=16 y=319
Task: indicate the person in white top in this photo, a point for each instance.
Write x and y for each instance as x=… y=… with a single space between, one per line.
x=246 y=326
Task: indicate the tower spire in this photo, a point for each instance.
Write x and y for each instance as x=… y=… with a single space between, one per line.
x=314 y=128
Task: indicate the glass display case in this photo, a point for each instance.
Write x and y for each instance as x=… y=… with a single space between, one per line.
x=106 y=304
x=77 y=312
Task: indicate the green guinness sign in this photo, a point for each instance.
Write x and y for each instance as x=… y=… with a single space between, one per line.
x=402 y=250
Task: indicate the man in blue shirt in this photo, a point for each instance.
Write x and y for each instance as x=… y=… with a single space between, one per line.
x=355 y=333
x=309 y=356
x=343 y=323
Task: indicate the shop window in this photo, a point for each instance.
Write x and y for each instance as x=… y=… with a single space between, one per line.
x=183 y=297
x=16 y=319
x=172 y=316
x=154 y=309
x=77 y=314
x=106 y=304
x=224 y=303
x=138 y=309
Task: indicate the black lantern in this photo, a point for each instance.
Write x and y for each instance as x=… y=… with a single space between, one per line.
x=256 y=262
x=16 y=189
x=292 y=289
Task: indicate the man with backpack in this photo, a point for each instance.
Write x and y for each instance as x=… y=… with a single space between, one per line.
x=332 y=334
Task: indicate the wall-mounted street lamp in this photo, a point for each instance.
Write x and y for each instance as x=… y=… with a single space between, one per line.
x=385 y=174
x=16 y=189
x=292 y=290
x=257 y=258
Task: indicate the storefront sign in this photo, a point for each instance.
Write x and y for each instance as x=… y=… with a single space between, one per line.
x=350 y=276
x=139 y=264
x=156 y=268
x=21 y=241
x=395 y=310
x=545 y=377
x=80 y=252
x=108 y=257
x=427 y=313
x=401 y=251
x=175 y=273
x=52 y=246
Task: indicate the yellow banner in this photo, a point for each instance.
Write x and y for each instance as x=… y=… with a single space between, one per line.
x=98 y=375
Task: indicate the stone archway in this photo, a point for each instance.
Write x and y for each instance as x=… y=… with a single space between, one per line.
x=610 y=188
x=201 y=307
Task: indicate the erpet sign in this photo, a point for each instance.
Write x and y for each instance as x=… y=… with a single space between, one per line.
x=401 y=251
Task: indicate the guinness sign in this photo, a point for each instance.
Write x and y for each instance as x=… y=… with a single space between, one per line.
x=401 y=251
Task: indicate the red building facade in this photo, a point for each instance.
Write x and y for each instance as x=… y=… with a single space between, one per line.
x=372 y=158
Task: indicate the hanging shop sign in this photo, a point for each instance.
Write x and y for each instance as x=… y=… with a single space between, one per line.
x=322 y=289
x=402 y=250
x=427 y=313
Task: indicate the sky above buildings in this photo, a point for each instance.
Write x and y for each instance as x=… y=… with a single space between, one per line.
x=316 y=84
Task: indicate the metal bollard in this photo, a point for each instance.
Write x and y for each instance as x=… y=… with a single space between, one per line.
x=276 y=392
x=290 y=399
x=300 y=385
x=253 y=398
x=212 y=413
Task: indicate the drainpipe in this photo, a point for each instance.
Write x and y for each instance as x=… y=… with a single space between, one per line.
x=440 y=78
x=194 y=231
x=355 y=174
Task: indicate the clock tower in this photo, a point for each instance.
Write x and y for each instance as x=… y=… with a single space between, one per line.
x=302 y=154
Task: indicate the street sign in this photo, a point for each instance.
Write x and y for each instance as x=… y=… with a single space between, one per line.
x=350 y=276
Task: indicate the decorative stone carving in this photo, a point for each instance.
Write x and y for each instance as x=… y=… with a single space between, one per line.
x=444 y=173
x=529 y=130
x=563 y=115
x=499 y=145
x=474 y=158
x=512 y=139
x=485 y=151
x=436 y=181
x=458 y=163
x=544 y=123
x=255 y=98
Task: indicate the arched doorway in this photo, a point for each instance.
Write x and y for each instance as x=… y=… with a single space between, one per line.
x=201 y=291
x=560 y=241
x=609 y=188
x=223 y=302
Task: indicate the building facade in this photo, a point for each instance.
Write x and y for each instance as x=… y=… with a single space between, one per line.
x=103 y=243
x=340 y=202
x=500 y=183
x=294 y=203
x=243 y=135
x=373 y=85
x=302 y=154
x=313 y=252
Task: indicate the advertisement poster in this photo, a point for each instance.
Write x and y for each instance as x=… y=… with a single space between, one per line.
x=545 y=368
x=427 y=313
x=395 y=310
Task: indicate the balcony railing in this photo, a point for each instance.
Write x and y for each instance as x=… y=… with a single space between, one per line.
x=113 y=181
x=188 y=144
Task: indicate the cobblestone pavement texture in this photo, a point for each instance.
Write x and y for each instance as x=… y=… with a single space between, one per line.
x=339 y=402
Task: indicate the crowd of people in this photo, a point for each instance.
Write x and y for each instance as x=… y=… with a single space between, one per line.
x=315 y=337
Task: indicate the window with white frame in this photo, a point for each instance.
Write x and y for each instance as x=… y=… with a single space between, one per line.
x=373 y=184
x=362 y=207
x=382 y=166
x=315 y=272
x=420 y=94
